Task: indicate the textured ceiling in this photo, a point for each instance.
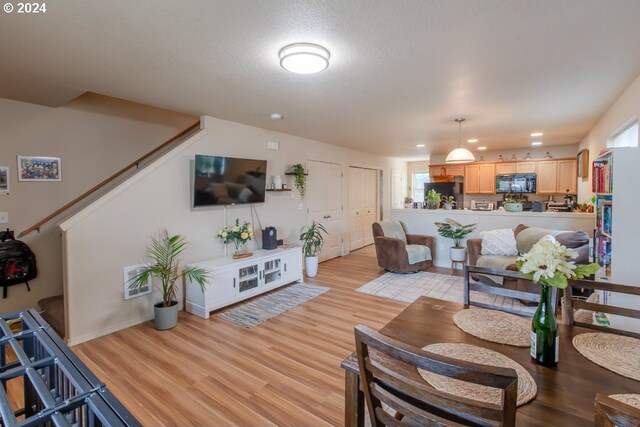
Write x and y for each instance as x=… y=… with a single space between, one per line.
x=400 y=71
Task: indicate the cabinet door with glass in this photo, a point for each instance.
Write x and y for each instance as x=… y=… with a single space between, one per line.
x=248 y=278
x=272 y=272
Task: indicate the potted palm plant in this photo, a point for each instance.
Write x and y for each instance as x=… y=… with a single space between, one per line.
x=312 y=242
x=165 y=250
x=454 y=230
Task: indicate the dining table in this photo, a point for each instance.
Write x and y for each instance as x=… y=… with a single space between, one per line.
x=565 y=395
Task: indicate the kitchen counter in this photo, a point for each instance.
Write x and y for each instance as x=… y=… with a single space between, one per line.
x=421 y=221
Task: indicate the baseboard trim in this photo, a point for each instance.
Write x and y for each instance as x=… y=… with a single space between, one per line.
x=111 y=329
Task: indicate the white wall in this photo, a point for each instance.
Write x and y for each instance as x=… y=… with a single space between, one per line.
x=625 y=109
x=95 y=136
x=114 y=232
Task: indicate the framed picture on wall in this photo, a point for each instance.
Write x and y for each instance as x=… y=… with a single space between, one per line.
x=583 y=164
x=4 y=179
x=37 y=168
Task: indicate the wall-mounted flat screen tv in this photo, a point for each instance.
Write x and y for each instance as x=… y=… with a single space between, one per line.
x=228 y=181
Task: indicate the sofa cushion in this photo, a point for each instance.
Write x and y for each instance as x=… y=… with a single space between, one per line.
x=499 y=242
x=418 y=253
x=531 y=235
x=393 y=229
x=498 y=262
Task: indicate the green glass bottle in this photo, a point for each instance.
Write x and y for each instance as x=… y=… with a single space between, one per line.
x=544 y=330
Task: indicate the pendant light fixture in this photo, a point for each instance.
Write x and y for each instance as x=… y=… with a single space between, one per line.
x=460 y=154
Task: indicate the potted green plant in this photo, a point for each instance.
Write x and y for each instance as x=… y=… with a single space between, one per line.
x=433 y=199
x=312 y=242
x=299 y=178
x=164 y=251
x=454 y=230
x=448 y=202
x=512 y=204
x=238 y=234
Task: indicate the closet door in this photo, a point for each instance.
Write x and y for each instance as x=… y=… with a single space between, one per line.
x=370 y=178
x=356 y=238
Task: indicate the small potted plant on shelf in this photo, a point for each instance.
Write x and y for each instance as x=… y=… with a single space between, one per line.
x=512 y=204
x=454 y=230
x=165 y=250
x=448 y=202
x=433 y=199
x=312 y=241
x=239 y=235
x=299 y=178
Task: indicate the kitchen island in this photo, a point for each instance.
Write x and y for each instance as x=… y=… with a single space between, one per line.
x=421 y=221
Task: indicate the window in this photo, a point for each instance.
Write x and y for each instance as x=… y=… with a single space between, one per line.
x=419 y=179
x=627 y=137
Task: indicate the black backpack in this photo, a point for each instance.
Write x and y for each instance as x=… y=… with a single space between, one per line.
x=17 y=264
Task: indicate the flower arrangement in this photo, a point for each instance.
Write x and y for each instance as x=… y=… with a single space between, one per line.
x=454 y=230
x=433 y=199
x=549 y=263
x=237 y=234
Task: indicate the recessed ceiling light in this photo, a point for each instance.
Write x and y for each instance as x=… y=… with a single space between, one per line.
x=304 y=58
x=482 y=148
x=537 y=134
x=420 y=145
x=472 y=140
x=276 y=116
x=536 y=143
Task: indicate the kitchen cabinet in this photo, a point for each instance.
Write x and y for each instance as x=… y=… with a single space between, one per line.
x=455 y=170
x=557 y=177
x=526 y=167
x=505 y=168
x=567 y=176
x=232 y=280
x=480 y=178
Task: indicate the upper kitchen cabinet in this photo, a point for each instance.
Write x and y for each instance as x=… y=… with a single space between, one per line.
x=505 y=168
x=526 y=167
x=557 y=176
x=480 y=178
x=454 y=170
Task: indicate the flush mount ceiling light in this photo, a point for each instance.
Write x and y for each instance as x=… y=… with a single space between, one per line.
x=472 y=141
x=536 y=134
x=304 y=58
x=460 y=155
x=276 y=116
x=482 y=148
x=420 y=145
x=536 y=143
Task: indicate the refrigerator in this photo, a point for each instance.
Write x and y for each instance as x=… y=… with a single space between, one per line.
x=447 y=189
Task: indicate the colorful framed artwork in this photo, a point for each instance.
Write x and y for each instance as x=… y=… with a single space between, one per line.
x=37 y=168
x=4 y=180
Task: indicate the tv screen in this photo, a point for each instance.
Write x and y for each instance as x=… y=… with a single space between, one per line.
x=228 y=181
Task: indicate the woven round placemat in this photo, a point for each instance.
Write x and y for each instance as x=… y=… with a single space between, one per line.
x=527 y=388
x=495 y=326
x=629 y=399
x=616 y=353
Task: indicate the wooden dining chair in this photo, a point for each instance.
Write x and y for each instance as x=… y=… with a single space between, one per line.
x=611 y=412
x=388 y=372
x=475 y=279
x=570 y=303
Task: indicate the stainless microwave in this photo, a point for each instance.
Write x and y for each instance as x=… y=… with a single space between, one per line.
x=516 y=183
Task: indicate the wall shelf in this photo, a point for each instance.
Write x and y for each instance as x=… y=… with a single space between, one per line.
x=278 y=189
x=292 y=174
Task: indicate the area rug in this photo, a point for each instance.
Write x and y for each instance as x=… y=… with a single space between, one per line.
x=408 y=287
x=262 y=309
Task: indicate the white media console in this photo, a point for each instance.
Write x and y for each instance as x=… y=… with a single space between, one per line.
x=232 y=280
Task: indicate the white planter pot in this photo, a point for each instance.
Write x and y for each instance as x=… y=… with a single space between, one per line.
x=458 y=254
x=311 y=266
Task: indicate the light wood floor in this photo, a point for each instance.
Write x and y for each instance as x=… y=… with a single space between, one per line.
x=285 y=372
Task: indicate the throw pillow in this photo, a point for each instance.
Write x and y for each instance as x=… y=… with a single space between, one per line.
x=499 y=242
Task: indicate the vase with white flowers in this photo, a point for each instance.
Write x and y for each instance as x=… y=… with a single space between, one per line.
x=550 y=265
x=238 y=234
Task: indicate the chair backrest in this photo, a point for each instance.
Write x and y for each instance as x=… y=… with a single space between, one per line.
x=390 y=228
x=389 y=376
x=611 y=412
x=570 y=303
x=482 y=284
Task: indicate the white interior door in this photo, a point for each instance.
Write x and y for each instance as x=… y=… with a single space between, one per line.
x=356 y=204
x=324 y=204
x=370 y=185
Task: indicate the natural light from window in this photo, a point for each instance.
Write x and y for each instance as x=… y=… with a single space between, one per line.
x=627 y=137
x=419 y=180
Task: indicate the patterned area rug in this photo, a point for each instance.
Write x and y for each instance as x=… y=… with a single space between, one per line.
x=262 y=309
x=408 y=287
